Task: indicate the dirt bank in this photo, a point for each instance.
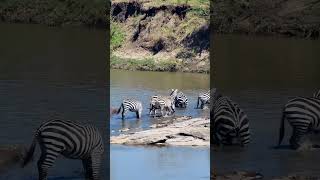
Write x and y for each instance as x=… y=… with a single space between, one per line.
x=279 y=17
x=176 y=36
x=183 y=131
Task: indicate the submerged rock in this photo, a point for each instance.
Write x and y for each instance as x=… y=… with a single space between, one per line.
x=191 y=132
x=10 y=155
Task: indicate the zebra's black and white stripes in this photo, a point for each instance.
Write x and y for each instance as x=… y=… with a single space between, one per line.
x=72 y=140
x=130 y=105
x=303 y=114
x=203 y=99
x=181 y=100
x=166 y=104
x=229 y=122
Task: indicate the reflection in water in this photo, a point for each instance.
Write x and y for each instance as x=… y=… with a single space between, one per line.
x=159 y=163
x=262 y=74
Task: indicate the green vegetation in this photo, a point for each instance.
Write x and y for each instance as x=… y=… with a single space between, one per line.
x=147 y=64
x=117 y=35
x=198 y=4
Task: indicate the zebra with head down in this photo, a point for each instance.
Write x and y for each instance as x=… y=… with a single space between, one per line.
x=166 y=104
x=230 y=122
x=72 y=140
x=303 y=114
x=203 y=99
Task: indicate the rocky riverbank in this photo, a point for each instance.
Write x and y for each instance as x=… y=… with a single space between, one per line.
x=160 y=36
x=182 y=131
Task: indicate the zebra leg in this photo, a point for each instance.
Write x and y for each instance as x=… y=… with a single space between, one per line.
x=45 y=162
x=94 y=165
x=123 y=113
x=198 y=102
x=296 y=137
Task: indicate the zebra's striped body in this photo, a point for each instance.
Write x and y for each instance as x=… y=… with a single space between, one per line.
x=74 y=141
x=130 y=105
x=203 y=98
x=181 y=100
x=303 y=114
x=229 y=122
x=164 y=103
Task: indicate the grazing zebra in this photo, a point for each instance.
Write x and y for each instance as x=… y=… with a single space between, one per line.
x=317 y=94
x=130 y=105
x=203 y=98
x=164 y=103
x=303 y=114
x=229 y=122
x=181 y=100
x=73 y=141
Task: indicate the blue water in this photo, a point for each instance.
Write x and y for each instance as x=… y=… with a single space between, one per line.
x=156 y=163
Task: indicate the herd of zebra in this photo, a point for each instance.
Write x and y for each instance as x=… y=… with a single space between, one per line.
x=230 y=123
x=166 y=104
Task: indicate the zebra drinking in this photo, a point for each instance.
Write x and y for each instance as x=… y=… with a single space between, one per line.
x=229 y=122
x=181 y=100
x=203 y=98
x=130 y=105
x=73 y=141
x=164 y=103
x=303 y=114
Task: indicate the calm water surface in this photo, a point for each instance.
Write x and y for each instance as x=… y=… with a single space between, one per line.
x=138 y=162
x=45 y=73
x=262 y=74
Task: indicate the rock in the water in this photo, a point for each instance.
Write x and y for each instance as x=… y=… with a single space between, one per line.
x=192 y=132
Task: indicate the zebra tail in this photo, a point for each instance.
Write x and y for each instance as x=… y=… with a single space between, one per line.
x=119 y=109
x=29 y=155
x=282 y=127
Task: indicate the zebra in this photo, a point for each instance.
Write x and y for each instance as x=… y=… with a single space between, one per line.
x=181 y=100
x=131 y=105
x=73 y=141
x=317 y=94
x=203 y=98
x=164 y=103
x=229 y=122
x=303 y=114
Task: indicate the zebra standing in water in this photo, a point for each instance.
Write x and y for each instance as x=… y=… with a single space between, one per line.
x=130 y=105
x=164 y=103
x=74 y=141
x=229 y=122
x=203 y=98
x=181 y=100
x=303 y=114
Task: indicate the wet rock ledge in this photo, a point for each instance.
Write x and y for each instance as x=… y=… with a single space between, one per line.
x=182 y=131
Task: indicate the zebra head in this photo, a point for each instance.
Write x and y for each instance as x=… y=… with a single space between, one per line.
x=317 y=94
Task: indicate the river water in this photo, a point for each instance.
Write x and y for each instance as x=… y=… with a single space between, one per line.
x=139 y=162
x=261 y=74
x=45 y=73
